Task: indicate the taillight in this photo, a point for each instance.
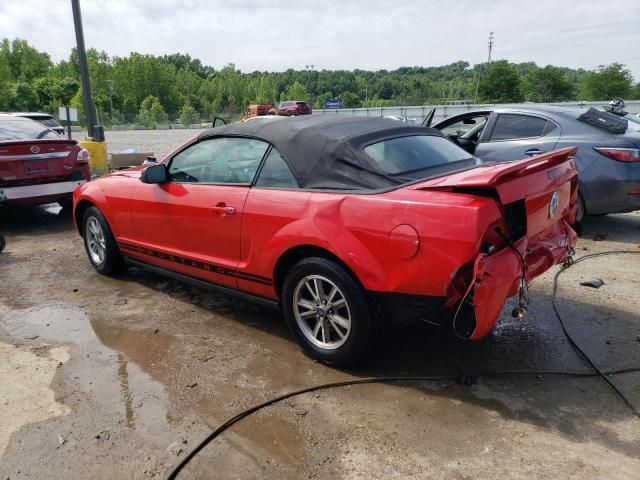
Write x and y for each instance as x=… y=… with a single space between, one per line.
x=83 y=156
x=620 y=154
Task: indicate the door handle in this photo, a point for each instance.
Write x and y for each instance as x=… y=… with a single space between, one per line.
x=222 y=210
x=533 y=151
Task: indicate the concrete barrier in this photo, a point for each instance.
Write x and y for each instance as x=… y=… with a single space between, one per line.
x=178 y=126
x=162 y=126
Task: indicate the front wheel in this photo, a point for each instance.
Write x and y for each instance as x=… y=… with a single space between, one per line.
x=326 y=311
x=101 y=247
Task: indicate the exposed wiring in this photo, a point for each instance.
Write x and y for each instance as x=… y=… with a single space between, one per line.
x=596 y=373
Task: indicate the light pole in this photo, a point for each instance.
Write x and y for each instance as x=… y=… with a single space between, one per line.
x=84 y=68
x=110 y=82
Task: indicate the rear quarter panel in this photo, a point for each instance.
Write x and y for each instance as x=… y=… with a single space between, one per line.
x=356 y=229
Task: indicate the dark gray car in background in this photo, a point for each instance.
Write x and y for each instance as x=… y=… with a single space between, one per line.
x=608 y=162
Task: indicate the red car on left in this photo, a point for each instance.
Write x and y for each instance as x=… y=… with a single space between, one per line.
x=37 y=166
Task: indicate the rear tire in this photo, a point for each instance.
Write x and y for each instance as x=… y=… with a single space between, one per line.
x=101 y=247
x=326 y=311
x=580 y=214
x=3 y=243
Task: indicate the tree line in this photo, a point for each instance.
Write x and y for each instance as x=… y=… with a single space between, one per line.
x=159 y=89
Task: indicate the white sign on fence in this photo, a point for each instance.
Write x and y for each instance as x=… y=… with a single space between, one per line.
x=73 y=114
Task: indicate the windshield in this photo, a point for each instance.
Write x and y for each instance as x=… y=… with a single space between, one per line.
x=23 y=129
x=410 y=157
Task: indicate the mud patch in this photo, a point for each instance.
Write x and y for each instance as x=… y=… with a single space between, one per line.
x=26 y=396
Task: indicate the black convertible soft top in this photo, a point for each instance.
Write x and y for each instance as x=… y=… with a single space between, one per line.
x=325 y=151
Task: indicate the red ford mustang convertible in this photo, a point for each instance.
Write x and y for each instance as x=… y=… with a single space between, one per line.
x=350 y=226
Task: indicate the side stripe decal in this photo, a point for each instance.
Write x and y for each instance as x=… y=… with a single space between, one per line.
x=199 y=265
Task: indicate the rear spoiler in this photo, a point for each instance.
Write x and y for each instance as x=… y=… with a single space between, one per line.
x=37 y=141
x=492 y=174
x=605 y=120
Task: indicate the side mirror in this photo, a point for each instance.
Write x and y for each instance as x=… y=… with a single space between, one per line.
x=155 y=174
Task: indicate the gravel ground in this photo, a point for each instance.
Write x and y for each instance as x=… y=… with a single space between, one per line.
x=160 y=142
x=119 y=377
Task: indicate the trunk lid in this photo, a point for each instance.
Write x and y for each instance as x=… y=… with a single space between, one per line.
x=534 y=193
x=26 y=160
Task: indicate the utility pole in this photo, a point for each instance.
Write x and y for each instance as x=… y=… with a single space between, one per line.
x=84 y=68
x=490 y=45
x=110 y=82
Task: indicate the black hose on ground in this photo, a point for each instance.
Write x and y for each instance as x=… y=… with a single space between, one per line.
x=597 y=372
x=602 y=374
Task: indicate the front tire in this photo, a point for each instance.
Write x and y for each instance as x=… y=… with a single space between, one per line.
x=326 y=310
x=101 y=247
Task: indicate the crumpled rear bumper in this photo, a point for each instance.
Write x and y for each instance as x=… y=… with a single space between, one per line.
x=497 y=276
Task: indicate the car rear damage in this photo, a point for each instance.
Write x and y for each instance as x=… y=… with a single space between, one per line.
x=537 y=200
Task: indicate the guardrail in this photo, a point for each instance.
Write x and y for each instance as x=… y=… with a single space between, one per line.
x=445 y=111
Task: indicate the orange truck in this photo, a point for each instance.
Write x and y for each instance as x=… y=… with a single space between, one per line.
x=257 y=110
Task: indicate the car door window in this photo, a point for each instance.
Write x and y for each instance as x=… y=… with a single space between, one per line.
x=466 y=126
x=275 y=172
x=218 y=160
x=512 y=126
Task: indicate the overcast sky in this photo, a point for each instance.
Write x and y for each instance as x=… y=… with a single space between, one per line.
x=369 y=34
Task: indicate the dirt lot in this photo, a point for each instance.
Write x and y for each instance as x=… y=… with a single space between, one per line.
x=118 y=378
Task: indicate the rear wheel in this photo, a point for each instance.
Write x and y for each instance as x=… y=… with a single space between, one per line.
x=581 y=212
x=326 y=311
x=99 y=243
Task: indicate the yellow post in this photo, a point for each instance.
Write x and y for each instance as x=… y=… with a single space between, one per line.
x=97 y=156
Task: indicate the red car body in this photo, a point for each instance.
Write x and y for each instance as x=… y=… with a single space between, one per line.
x=291 y=108
x=418 y=250
x=37 y=166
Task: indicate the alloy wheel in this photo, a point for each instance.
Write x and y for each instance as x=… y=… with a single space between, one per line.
x=96 y=241
x=322 y=312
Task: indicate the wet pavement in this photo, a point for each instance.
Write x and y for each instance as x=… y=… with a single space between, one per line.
x=130 y=373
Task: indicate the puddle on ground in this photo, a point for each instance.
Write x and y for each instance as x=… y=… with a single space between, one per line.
x=95 y=370
x=140 y=365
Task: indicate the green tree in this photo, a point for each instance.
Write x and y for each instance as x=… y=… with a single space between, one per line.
x=24 y=98
x=351 y=100
x=607 y=82
x=500 y=83
x=295 y=91
x=188 y=115
x=138 y=76
x=25 y=62
x=151 y=112
x=547 y=84
x=6 y=81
